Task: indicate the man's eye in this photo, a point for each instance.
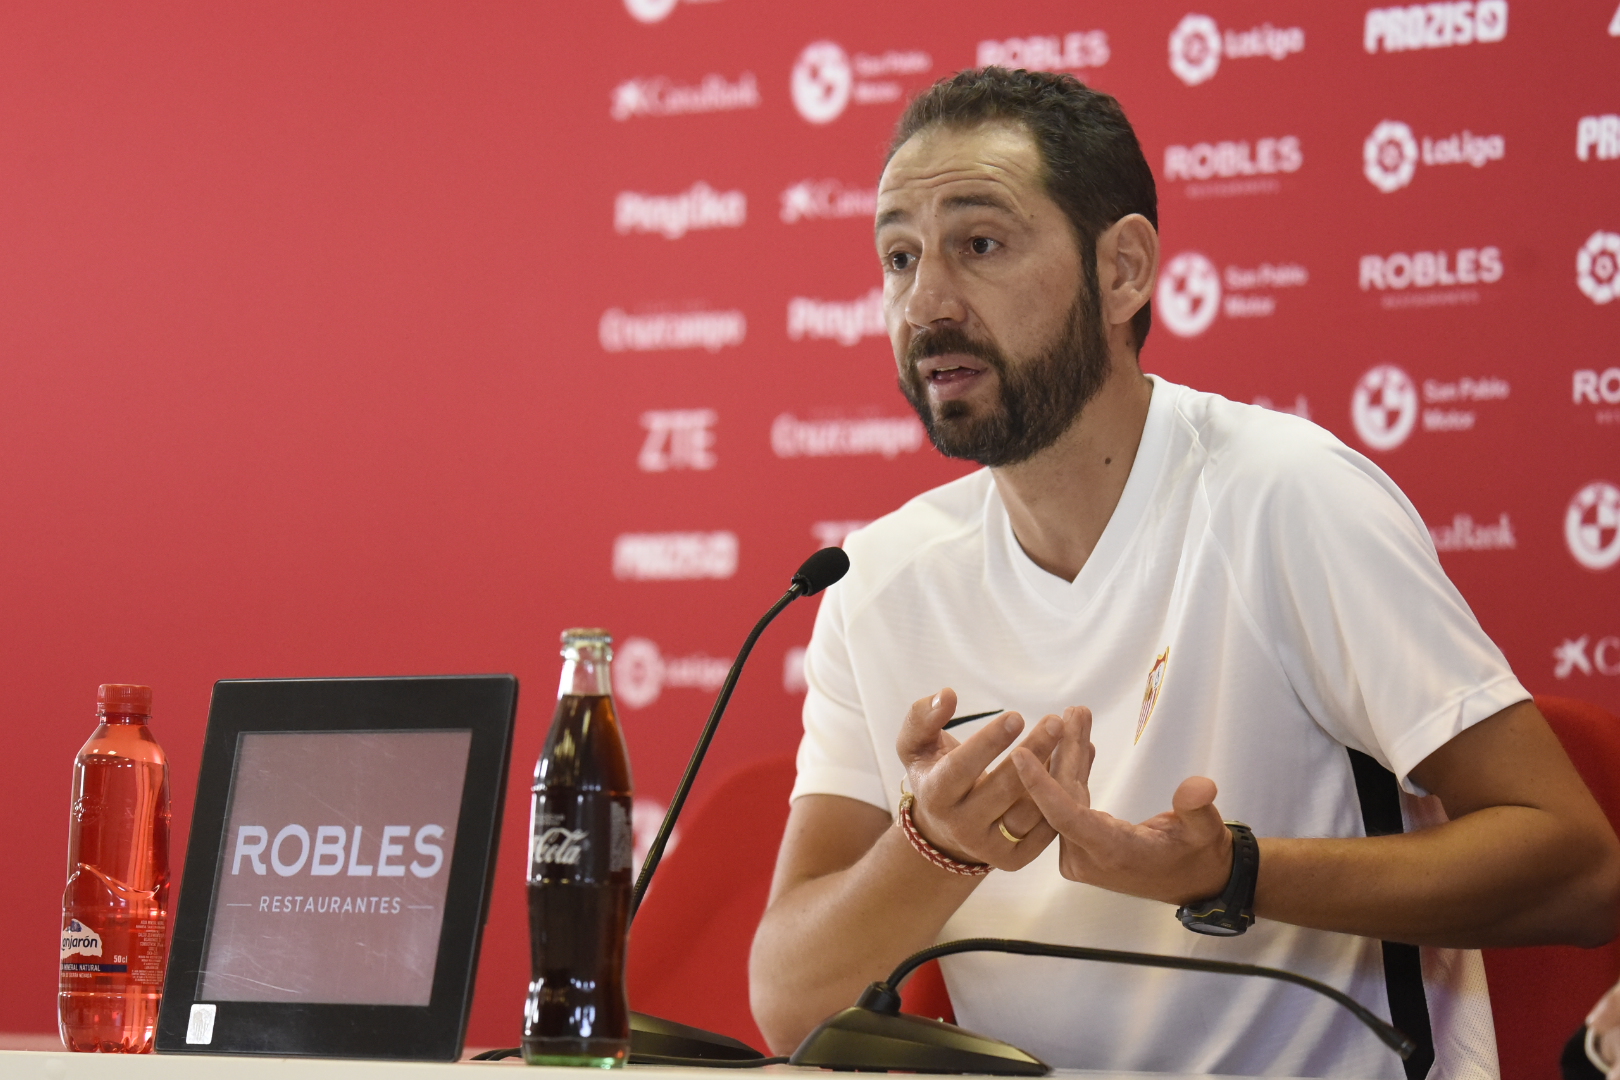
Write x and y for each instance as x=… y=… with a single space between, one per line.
x=982 y=245
x=901 y=260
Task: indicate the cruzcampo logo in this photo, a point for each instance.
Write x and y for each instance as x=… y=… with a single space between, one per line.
x=1150 y=696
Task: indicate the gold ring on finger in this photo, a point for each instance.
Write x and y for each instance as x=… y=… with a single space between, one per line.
x=1002 y=825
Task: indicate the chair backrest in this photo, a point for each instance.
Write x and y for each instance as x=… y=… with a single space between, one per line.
x=689 y=945
x=1539 y=995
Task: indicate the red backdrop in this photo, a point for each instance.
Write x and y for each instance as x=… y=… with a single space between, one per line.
x=394 y=338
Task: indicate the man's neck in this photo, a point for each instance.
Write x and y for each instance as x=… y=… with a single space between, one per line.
x=1060 y=500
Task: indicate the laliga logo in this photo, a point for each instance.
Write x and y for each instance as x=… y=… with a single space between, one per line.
x=641 y=672
x=1597 y=267
x=1195 y=49
x=1189 y=294
x=1389 y=156
x=1592 y=525
x=822 y=81
x=1384 y=407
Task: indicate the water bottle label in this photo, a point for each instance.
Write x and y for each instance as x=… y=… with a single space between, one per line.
x=583 y=839
x=134 y=950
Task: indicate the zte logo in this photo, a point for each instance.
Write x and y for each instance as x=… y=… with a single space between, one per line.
x=334 y=849
x=1435 y=26
x=677 y=439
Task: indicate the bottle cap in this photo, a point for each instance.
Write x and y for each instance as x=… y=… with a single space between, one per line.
x=592 y=639
x=123 y=699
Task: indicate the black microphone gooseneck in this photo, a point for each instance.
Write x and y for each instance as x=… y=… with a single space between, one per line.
x=879 y=992
x=874 y=1034
x=817 y=572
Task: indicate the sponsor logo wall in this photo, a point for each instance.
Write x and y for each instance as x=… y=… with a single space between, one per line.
x=596 y=334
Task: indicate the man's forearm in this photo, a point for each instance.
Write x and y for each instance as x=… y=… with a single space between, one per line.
x=1500 y=876
x=824 y=939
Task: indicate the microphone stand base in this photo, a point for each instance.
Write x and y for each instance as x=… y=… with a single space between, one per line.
x=653 y=1038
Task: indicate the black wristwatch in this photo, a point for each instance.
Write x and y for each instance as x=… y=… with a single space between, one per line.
x=1232 y=912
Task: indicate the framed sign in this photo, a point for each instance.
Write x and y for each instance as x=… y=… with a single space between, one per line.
x=339 y=869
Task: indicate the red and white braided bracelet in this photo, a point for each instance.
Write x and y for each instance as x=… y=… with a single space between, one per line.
x=929 y=851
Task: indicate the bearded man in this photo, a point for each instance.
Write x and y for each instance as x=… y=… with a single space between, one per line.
x=1204 y=601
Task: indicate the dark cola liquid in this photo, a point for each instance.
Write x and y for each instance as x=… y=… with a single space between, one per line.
x=580 y=853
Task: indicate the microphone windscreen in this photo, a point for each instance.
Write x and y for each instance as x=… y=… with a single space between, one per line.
x=821 y=570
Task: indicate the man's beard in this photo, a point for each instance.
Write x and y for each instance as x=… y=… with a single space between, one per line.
x=1040 y=396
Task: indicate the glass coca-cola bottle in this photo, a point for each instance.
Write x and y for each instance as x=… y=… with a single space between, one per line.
x=578 y=1012
x=116 y=904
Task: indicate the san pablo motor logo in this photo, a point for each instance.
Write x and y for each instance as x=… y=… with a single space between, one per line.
x=1592 y=525
x=1384 y=407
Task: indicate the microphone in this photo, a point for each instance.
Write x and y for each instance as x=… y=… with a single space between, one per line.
x=873 y=1035
x=656 y=1041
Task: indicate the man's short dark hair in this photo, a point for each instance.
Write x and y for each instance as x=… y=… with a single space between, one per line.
x=1093 y=165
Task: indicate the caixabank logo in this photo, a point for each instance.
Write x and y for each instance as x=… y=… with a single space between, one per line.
x=1192 y=291
x=1391 y=154
x=1198 y=45
x=1387 y=405
x=1597 y=267
x=826 y=80
x=1592 y=525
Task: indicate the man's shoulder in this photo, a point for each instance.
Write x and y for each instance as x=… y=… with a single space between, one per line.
x=1250 y=448
x=885 y=547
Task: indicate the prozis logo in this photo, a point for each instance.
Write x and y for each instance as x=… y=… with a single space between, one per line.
x=1592 y=525
x=826 y=79
x=1077 y=50
x=1597 y=267
x=1197 y=46
x=1192 y=291
x=816 y=200
x=659 y=96
x=1581 y=656
x=1597 y=137
x=641 y=672
x=673 y=216
x=677 y=439
x=1386 y=405
x=1435 y=26
x=1390 y=156
x=675 y=556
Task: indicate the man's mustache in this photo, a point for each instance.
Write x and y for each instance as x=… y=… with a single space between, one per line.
x=947 y=340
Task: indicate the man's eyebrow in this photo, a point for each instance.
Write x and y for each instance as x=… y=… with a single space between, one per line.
x=955 y=202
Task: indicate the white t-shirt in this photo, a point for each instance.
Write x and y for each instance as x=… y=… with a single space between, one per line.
x=1296 y=598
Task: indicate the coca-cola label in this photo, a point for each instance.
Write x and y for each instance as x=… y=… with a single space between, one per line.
x=579 y=837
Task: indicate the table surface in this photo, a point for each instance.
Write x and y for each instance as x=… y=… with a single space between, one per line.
x=59 y=1065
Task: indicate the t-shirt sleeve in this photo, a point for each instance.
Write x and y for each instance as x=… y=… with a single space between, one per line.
x=836 y=755
x=1371 y=633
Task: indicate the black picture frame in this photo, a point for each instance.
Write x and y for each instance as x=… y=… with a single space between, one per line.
x=485 y=705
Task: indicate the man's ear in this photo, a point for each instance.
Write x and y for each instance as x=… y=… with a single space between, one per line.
x=1127 y=267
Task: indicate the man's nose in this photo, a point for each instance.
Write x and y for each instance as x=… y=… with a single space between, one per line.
x=935 y=294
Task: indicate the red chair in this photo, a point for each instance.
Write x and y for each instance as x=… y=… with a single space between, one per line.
x=1539 y=995
x=689 y=945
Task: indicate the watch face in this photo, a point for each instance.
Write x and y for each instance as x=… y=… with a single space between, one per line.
x=1213 y=929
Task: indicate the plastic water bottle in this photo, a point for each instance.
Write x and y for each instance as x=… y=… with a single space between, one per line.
x=116 y=904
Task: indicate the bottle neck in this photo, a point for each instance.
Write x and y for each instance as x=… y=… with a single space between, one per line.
x=586 y=675
x=112 y=719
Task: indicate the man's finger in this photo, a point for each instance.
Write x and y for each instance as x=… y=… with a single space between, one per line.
x=1060 y=809
x=959 y=771
x=1001 y=788
x=920 y=731
x=1194 y=804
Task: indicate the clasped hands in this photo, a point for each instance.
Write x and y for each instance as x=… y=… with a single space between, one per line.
x=1041 y=793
